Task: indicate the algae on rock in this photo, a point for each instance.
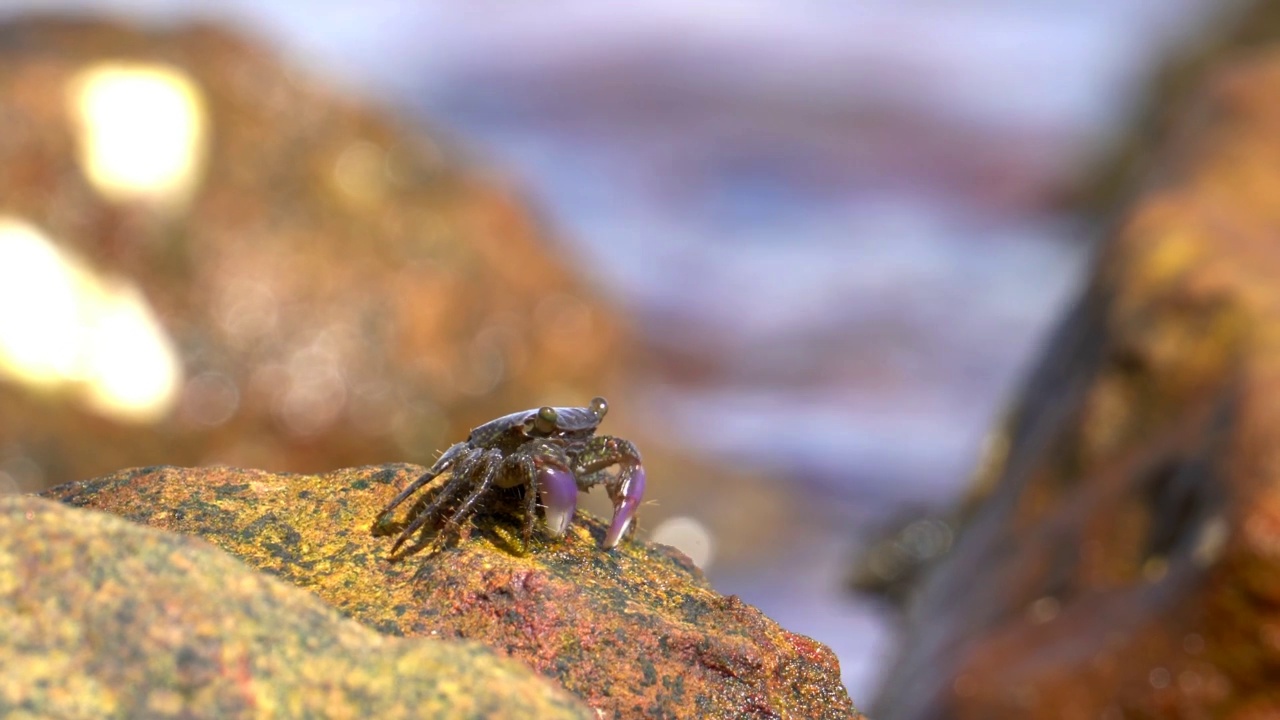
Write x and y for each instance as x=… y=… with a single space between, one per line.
x=106 y=619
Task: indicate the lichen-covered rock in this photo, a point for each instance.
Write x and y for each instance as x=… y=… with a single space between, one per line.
x=636 y=632
x=101 y=618
x=334 y=287
x=1127 y=561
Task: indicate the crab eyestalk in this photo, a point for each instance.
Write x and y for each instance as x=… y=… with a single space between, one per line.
x=559 y=493
x=599 y=406
x=626 y=497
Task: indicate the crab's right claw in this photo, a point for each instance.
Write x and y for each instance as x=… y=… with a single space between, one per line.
x=559 y=493
x=626 y=497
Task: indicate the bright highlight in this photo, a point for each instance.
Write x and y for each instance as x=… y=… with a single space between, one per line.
x=142 y=130
x=65 y=328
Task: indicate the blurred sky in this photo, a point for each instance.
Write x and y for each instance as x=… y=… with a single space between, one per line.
x=838 y=224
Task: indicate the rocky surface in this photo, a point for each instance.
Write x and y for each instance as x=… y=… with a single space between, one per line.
x=636 y=632
x=1126 y=563
x=337 y=289
x=103 y=618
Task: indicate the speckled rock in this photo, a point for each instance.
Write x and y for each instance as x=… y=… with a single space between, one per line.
x=636 y=632
x=1126 y=563
x=337 y=287
x=103 y=618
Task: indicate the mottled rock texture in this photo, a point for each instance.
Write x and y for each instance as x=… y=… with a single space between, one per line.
x=635 y=632
x=1127 y=561
x=103 y=618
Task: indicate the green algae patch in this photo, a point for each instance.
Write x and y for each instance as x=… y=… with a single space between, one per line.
x=636 y=632
x=104 y=618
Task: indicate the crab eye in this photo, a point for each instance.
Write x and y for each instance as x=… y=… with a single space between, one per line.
x=545 y=422
x=599 y=407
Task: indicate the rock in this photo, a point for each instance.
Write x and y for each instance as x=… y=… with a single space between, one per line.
x=636 y=632
x=321 y=287
x=899 y=553
x=1127 y=562
x=103 y=618
x=1226 y=32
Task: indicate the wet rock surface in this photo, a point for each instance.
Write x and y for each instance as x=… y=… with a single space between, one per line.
x=104 y=618
x=636 y=632
x=335 y=288
x=1125 y=563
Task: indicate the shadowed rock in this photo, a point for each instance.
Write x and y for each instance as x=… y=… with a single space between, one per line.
x=1127 y=560
x=104 y=618
x=636 y=632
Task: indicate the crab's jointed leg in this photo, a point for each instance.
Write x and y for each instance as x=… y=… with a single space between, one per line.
x=450 y=456
x=462 y=472
x=489 y=465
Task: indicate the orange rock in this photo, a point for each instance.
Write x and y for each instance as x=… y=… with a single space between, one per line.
x=636 y=632
x=1127 y=560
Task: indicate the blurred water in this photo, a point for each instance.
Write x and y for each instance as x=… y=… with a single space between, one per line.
x=836 y=222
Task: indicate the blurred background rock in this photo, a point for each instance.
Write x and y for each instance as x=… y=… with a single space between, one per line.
x=806 y=250
x=209 y=259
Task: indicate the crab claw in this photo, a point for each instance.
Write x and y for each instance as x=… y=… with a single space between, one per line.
x=626 y=500
x=559 y=493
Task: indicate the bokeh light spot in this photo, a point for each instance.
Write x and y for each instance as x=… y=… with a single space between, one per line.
x=21 y=473
x=39 y=308
x=65 y=327
x=687 y=535
x=209 y=399
x=129 y=366
x=315 y=392
x=142 y=130
x=360 y=171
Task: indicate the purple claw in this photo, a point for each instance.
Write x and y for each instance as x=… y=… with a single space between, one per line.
x=559 y=493
x=626 y=500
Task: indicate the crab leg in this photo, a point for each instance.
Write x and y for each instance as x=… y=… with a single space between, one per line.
x=452 y=454
x=530 y=498
x=461 y=475
x=490 y=463
x=522 y=463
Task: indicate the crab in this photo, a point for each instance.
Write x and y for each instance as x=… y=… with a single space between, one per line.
x=552 y=451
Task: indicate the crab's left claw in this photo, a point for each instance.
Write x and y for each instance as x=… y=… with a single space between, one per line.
x=626 y=495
